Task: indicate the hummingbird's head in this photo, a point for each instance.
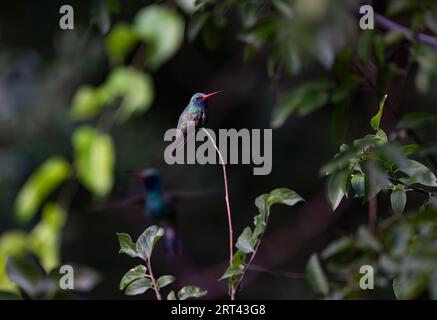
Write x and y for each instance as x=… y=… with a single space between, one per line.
x=201 y=98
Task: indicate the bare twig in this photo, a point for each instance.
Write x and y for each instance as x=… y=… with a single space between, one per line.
x=292 y=275
x=408 y=33
x=228 y=207
x=152 y=277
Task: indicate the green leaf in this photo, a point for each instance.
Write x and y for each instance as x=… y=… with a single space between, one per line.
x=134 y=87
x=45 y=238
x=283 y=8
x=276 y=196
x=260 y=225
x=316 y=276
x=120 y=41
x=410 y=149
x=337 y=185
x=375 y=121
x=162 y=29
x=138 y=286
x=191 y=292
x=366 y=240
x=147 y=240
x=236 y=268
x=26 y=275
x=305 y=99
x=87 y=103
x=94 y=160
x=197 y=21
x=165 y=281
x=396 y=288
x=246 y=241
x=283 y=196
x=357 y=182
x=398 y=199
x=126 y=245
x=249 y=13
x=341 y=245
x=133 y=274
x=171 y=296
x=41 y=183
x=416 y=120
x=419 y=173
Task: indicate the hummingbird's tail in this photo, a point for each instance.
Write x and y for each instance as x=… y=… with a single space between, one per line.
x=172 y=242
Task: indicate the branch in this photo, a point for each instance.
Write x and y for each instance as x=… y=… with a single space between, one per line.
x=152 y=277
x=408 y=33
x=228 y=207
x=237 y=285
x=293 y=275
x=411 y=187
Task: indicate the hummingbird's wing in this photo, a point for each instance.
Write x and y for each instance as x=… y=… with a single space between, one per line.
x=177 y=196
x=132 y=200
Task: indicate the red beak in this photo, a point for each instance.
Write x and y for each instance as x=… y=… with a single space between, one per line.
x=209 y=95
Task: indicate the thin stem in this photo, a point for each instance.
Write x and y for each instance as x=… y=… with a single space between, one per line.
x=373 y=202
x=152 y=277
x=408 y=33
x=228 y=207
x=411 y=187
x=292 y=275
x=237 y=285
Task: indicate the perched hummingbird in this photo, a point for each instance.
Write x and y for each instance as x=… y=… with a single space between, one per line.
x=197 y=112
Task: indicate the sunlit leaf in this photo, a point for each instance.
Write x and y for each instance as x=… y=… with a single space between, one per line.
x=162 y=29
x=120 y=41
x=45 y=238
x=41 y=183
x=94 y=160
x=87 y=103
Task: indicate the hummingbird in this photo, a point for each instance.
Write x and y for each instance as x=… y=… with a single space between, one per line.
x=158 y=206
x=197 y=112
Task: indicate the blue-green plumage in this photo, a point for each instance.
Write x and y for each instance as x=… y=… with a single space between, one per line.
x=195 y=112
x=158 y=206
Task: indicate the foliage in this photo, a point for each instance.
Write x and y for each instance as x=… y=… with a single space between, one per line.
x=34 y=283
x=141 y=278
x=401 y=250
x=250 y=239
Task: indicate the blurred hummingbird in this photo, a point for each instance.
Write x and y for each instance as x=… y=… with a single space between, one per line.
x=159 y=204
x=159 y=208
x=197 y=112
